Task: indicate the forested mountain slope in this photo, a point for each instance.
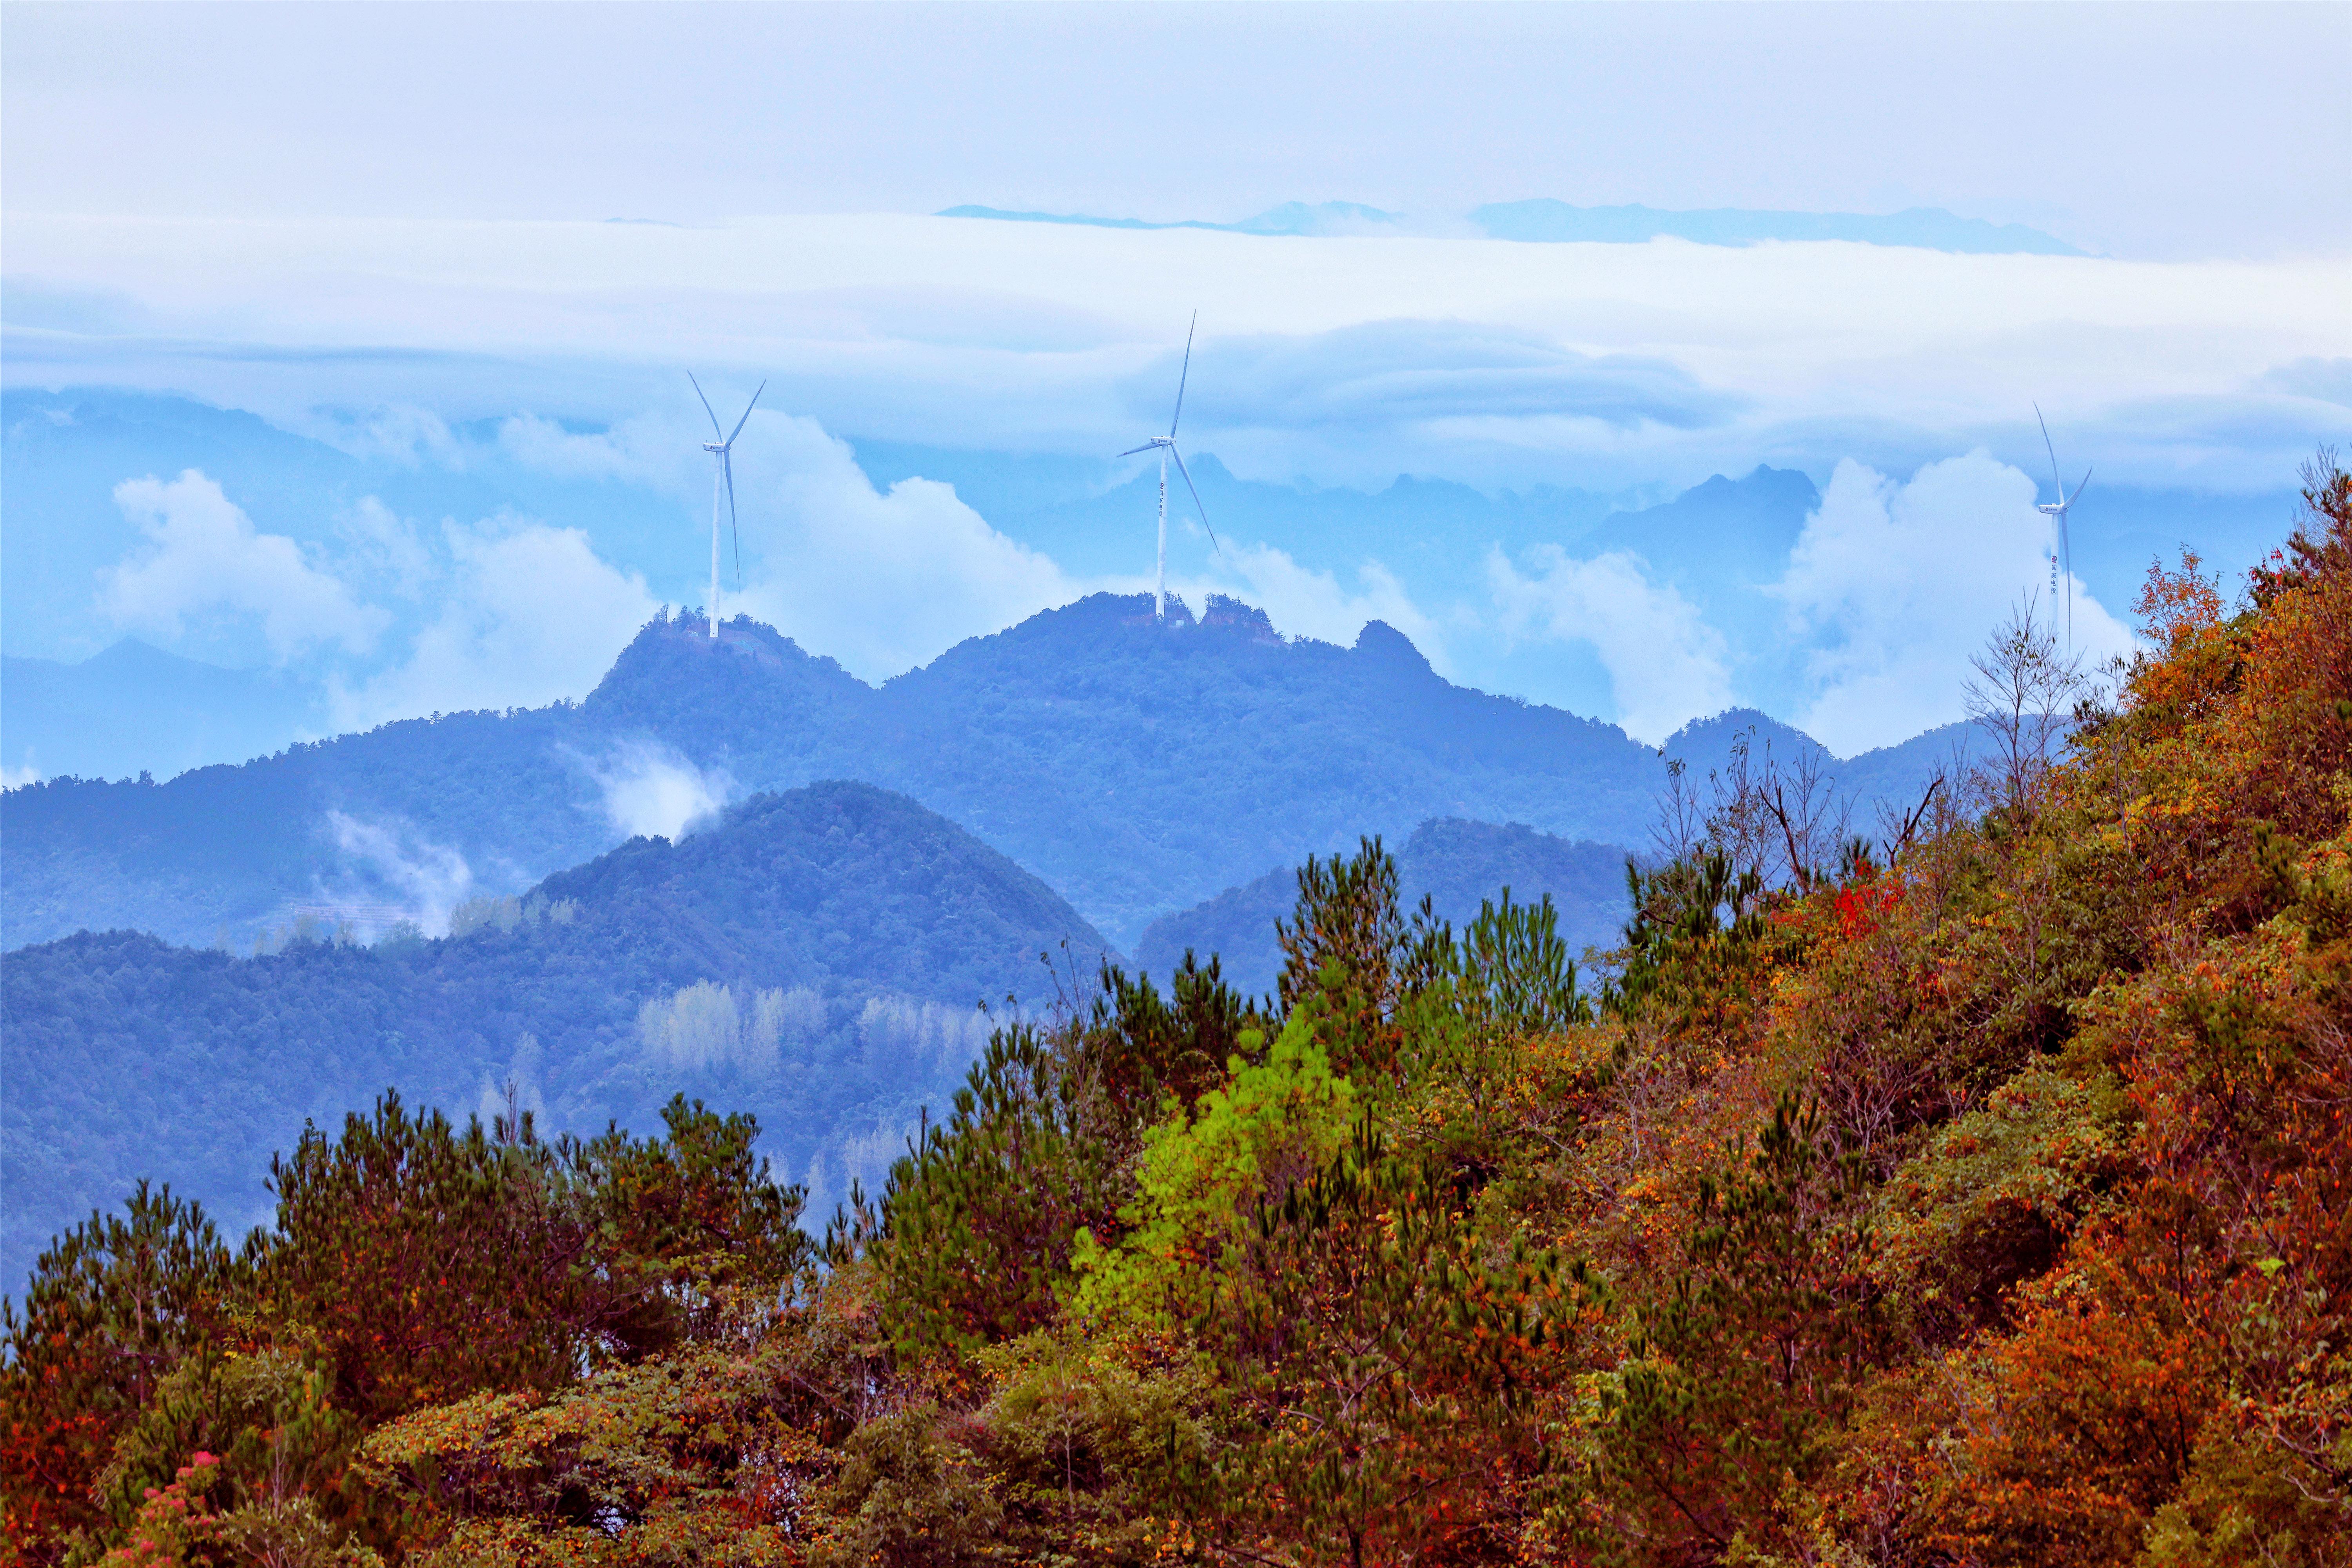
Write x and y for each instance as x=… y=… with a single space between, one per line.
x=416 y=814
x=1153 y=766
x=852 y=932
x=1982 y=1201
x=1136 y=767
x=1456 y=865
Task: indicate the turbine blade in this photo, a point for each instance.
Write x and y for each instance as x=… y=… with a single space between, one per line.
x=1196 y=497
x=1186 y=376
x=2080 y=488
x=706 y=402
x=747 y=414
x=1132 y=451
x=2052 y=451
x=730 y=468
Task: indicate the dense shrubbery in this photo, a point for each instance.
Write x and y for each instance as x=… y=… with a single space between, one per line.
x=1983 y=1196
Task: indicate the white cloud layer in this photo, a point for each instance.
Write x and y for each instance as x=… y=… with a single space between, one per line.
x=428 y=878
x=1667 y=665
x=204 y=564
x=650 y=790
x=1895 y=584
x=882 y=581
x=1889 y=588
x=1343 y=360
x=379 y=544
x=1302 y=602
x=528 y=612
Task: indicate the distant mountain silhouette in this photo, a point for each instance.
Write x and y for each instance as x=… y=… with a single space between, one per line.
x=1297 y=218
x=1137 y=768
x=1140 y=767
x=1930 y=228
x=135 y=709
x=1895 y=775
x=870 y=926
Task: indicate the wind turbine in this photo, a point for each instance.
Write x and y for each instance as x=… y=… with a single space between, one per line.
x=724 y=477
x=1167 y=448
x=2061 y=552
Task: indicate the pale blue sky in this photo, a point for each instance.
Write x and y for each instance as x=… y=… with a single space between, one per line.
x=2138 y=131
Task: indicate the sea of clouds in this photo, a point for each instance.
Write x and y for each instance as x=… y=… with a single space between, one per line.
x=545 y=356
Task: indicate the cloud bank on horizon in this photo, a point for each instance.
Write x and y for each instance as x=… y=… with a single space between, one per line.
x=1622 y=369
x=416 y=267
x=1338 y=361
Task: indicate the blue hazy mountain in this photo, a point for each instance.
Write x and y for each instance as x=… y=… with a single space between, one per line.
x=410 y=814
x=1456 y=865
x=1089 y=514
x=1309 y=218
x=135 y=709
x=852 y=932
x=1720 y=543
x=1141 y=768
x=1928 y=228
x=1544 y=219
x=1137 y=767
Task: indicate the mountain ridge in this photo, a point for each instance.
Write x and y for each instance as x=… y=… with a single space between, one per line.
x=1544 y=219
x=1137 y=767
x=867 y=927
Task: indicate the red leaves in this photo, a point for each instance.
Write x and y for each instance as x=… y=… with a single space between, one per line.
x=1859 y=910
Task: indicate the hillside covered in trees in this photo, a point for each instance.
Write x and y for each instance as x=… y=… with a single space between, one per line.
x=816 y=957
x=1457 y=866
x=1978 y=1195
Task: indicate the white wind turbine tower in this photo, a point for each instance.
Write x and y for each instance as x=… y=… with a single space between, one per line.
x=723 y=478
x=2061 y=552
x=1167 y=448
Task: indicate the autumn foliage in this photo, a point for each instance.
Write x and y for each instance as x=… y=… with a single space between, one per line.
x=1980 y=1194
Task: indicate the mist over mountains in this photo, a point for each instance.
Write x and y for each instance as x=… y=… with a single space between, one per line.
x=1137 y=767
x=1030 y=803
x=734 y=867
x=384 y=565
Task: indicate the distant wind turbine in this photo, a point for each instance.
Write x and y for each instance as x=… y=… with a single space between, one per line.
x=2061 y=552
x=723 y=478
x=1167 y=448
